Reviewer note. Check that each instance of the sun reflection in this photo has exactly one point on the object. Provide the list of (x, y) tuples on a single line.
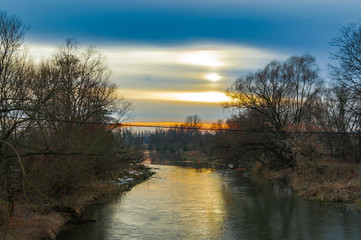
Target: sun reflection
[(214, 77), (202, 58), (179, 203)]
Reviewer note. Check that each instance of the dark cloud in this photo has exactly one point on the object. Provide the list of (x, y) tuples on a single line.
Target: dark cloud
[(280, 24)]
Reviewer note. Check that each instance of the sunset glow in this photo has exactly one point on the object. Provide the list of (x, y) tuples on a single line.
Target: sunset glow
[(214, 77), (202, 58), (210, 97), (200, 97), (205, 125), (170, 51)]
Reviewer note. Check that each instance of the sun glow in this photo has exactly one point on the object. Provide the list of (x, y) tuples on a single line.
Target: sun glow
[(202, 97), (214, 77), (202, 58), (163, 124), (210, 97)]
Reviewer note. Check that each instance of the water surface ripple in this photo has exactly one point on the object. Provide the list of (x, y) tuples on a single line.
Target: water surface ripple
[(188, 203)]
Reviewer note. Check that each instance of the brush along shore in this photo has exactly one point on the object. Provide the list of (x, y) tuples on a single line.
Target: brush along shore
[(329, 181), (28, 223)]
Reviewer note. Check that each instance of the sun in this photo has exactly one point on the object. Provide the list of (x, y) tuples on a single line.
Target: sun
[(214, 77)]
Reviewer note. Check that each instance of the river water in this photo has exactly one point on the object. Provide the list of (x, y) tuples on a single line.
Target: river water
[(189, 203)]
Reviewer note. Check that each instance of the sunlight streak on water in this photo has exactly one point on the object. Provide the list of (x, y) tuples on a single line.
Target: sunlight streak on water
[(192, 205), (188, 203)]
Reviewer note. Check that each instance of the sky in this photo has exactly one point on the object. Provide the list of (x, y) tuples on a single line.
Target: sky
[(174, 58)]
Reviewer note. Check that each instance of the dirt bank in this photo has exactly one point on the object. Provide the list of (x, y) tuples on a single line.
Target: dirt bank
[(28, 224)]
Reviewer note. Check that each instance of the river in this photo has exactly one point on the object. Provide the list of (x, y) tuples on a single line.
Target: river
[(189, 203)]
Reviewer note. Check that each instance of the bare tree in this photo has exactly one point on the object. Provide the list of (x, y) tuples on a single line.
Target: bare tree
[(192, 124), (278, 98), (14, 75), (85, 92), (336, 118), (346, 68), (280, 95)]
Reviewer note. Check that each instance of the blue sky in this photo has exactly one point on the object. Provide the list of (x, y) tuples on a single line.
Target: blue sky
[(163, 53)]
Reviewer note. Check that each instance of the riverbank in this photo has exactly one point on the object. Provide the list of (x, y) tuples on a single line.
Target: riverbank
[(329, 181), (28, 224), (200, 203)]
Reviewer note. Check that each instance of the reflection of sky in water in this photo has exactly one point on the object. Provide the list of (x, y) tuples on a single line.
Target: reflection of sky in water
[(191, 207), (184, 203)]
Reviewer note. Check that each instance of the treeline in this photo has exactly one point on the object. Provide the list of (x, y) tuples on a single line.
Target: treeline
[(58, 119), (184, 137), (285, 115), (169, 144)]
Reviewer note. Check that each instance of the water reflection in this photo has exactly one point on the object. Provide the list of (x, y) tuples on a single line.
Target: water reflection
[(185, 203), (259, 210)]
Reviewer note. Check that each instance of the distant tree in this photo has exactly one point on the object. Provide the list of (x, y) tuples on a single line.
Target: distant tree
[(192, 121), (192, 124), (171, 143)]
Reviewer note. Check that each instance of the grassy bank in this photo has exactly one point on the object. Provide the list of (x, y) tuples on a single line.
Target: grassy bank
[(329, 181), (28, 223)]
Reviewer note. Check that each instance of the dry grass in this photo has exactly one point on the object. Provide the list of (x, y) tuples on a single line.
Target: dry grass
[(36, 226), (29, 225), (329, 181)]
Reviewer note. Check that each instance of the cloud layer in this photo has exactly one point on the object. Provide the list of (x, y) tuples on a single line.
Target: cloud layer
[(163, 53)]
